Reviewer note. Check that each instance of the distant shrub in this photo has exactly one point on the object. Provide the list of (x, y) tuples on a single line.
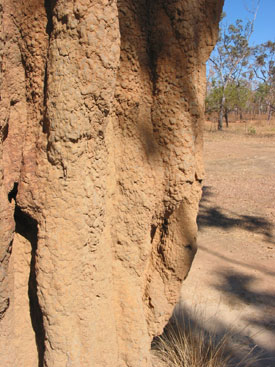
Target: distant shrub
[(251, 130)]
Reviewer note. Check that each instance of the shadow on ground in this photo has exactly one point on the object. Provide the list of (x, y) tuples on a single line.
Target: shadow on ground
[(238, 286), (213, 216)]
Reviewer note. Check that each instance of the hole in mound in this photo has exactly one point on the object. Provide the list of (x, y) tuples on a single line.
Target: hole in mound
[(12, 194)]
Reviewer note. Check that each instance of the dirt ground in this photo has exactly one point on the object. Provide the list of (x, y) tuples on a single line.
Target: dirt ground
[(232, 279)]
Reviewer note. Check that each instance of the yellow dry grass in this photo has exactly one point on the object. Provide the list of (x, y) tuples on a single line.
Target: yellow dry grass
[(186, 344), (260, 128)]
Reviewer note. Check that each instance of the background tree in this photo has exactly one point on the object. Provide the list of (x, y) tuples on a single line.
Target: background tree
[(237, 97), (229, 59), (264, 69)]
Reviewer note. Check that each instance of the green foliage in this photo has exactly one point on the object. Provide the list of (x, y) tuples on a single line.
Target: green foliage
[(213, 100), (237, 97)]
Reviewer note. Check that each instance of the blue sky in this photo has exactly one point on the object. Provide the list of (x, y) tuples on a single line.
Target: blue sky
[(264, 29)]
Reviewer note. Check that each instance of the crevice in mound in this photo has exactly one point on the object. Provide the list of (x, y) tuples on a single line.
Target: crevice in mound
[(3, 307), (45, 87), (165, 225), (49, 5), (153, 231), (5, 132), (26, 226)]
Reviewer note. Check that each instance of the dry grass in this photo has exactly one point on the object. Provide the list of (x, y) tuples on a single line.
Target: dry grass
[(259, 128), (185, 344)]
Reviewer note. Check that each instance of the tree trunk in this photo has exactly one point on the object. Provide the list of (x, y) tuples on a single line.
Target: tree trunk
[(220, 121), (269, 112), (226, 117)]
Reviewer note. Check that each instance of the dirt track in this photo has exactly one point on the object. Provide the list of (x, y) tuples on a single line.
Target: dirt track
[(232, 279)]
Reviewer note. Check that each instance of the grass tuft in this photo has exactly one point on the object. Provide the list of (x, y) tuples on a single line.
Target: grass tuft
[(186, 344), (251, 130)]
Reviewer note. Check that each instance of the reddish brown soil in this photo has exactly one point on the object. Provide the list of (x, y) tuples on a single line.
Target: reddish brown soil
[(232, 279)]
